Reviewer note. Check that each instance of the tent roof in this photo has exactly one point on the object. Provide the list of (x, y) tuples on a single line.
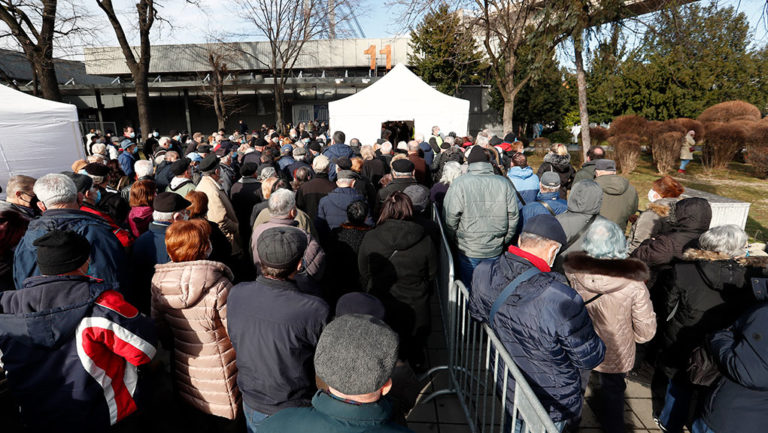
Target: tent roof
[(19, 105)]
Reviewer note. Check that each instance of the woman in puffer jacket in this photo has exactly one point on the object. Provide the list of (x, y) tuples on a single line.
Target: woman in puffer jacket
[(613, 287), (664, 193), (559, 160), (189, 302)]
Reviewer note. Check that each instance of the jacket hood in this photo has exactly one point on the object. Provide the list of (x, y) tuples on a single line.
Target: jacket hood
[(47, 311), (66, 219), (184, 284), (586, 197), (613, 184), (480, 168), (717, 269), (664, 207), (561, 163), (400, 234), (521, 172), (693, 214), (618, 271)]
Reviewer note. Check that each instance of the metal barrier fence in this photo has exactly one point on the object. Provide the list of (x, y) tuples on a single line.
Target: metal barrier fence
[(481, 372)]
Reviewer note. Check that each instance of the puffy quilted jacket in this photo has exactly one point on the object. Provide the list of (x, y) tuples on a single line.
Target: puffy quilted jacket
[(544, 327), (622, 314), (480, 211), (190, 298)]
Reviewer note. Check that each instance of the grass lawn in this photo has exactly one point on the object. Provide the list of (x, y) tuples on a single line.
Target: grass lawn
[(737, 182)]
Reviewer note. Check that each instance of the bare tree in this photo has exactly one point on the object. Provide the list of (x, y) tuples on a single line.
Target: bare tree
[(139, 67), (224, 105), (287, 25), (35, 25)]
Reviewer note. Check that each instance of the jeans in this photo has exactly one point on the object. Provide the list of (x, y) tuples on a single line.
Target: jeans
[(609, 399), (253, 418), (684, 163), (520, 424), (699, 426), (467, 265), (677, 404)]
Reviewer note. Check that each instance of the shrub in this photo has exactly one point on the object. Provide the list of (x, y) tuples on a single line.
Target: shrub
[(690, 124), (666, 150), (757, 135), (629, 124), (560, 136), (730, 110), (722, 143), (757, 148), (598, 135), (626, 151)]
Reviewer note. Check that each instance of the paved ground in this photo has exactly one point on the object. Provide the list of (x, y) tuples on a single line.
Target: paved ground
[(444, 414)]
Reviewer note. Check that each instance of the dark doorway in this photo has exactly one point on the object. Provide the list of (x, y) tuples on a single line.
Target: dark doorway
[(396, 131)]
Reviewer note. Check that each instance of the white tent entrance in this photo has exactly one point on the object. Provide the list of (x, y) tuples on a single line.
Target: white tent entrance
[(37, 136), (399, 95)]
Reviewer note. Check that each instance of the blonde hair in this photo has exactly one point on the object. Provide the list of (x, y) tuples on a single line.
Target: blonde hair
[(560, 149)]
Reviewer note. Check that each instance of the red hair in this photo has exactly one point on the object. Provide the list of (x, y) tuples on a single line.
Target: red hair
[(187, 240)]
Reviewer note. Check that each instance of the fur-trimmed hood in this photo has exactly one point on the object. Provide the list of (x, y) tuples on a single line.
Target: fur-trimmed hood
[(712, 256), (664, 207), (603, 275), (561, 163)]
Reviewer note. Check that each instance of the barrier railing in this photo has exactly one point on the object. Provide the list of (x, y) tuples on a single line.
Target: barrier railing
[(491, 390)]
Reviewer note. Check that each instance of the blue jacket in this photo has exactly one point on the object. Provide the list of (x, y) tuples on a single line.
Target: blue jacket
[(332, 209), (107, 254), (526, 183), (71, 347), (739, 399), (126, 160), (334, 151), (534, 208), (274, 329), (545, 328), (331, 415), (148, 251), (429, 154)]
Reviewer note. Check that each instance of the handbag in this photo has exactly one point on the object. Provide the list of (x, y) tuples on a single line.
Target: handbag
[(702, 368)]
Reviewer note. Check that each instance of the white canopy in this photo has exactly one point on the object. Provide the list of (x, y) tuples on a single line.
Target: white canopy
[(37, 136), (399, 95)]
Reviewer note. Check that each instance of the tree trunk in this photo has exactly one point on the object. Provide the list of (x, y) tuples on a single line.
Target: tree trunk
[(508, 115), (581, 82), (278, 105), (142, 103), (49, 86)]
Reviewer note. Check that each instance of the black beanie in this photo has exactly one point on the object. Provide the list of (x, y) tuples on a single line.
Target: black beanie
[(59, 252), (477, 154)]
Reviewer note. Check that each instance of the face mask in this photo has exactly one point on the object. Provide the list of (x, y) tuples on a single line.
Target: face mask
[(135, 150), (653, 196), (132, 135), (33, 205), (155, 134), (209, 250), (98, 195)]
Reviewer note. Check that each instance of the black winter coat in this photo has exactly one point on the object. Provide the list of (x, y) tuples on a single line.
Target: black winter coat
[(309, 195), (560, 164), (245, 194), (341, 250)]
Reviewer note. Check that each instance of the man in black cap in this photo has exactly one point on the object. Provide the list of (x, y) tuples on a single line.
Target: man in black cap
[(620, 199), (480, 213), (274, 328), (403, 175), (541, 321), (70, 343), (149, 249), (181, 183), (220, 210)]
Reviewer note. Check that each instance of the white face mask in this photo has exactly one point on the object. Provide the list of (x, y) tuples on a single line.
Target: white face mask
[(653, 195)]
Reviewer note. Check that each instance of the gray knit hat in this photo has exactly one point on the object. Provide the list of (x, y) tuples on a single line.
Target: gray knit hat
[(281, 247), (356, 354)]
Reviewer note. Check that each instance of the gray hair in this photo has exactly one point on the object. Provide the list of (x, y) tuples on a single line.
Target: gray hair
[(143, 168), (531, 239), (53, 189), (605, 240), (449, 139), (413, 146), (418, 137), (162, 216), (451, 170), (99, 149), (386, 147), (164, 142), (171, 156), (281, 202), (98, 158), (482, 140), (727, 239), (320, 164)]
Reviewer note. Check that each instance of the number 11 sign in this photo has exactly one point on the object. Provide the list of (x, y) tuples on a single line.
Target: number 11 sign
[(371, 51)]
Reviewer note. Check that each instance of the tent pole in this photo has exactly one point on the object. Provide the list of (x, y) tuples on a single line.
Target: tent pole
[(99, 112)]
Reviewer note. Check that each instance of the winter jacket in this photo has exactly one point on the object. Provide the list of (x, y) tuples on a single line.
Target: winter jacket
[(107, 254), (123, 235), (534, 208), (587, 172), (480, 212), (148, 251), (310, 193), (622, 314), (429, 154), (126, 160), (314, 256), (220, 211), (190, 298), (619, 199), (397, 263), (181, 186), (163, 176), (274, 329), (526, 183), (374, 169), (139, 219), (71, 347), (342, 248), (692, 218), (421, 169), (737, 401), (302, 221), (437, 194), (244, 195), (397, 184), (332, 210), (544, 327), (560, 164), (686, 151), (337, 150), (656, 219), (584, 202), (332, 415)]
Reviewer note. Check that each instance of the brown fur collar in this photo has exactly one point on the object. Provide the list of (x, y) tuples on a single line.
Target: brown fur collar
[(710, 256), (661, 210), (632, 269)]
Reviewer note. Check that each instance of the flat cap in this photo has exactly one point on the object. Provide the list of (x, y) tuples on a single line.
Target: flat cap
[(210, 162), (342, 163), (605, 165), (60, 251), (180, 166), (403, 166), (315, 146), (126, 143), (248, 169), (299, 151), (360, 303), (547, 227), (477, 154), (286, 148), (281, 247), (82, 182), (550, 179), (170, 202), (204, 148), (419, 195), (356, 354), (97, 169)]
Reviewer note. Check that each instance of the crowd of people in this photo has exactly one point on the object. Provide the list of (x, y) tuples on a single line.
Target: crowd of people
[(281, 282)]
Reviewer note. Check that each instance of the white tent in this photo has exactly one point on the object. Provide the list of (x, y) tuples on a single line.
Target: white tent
[(37, 136), (399, 95)]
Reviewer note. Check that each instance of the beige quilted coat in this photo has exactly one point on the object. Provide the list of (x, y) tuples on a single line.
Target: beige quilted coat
[(623, 315), (190, 300)]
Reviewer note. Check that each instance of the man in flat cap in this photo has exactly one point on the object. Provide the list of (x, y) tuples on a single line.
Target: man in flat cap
[(355, 357), (274, 328), (548, 199), (71, 345), (619, 196), (541, 321), (403, 175), (149, 249), (480, 213), (181, 183), (220, 210)]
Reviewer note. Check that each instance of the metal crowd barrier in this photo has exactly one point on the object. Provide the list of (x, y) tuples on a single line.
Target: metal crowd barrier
[(480, 370)]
